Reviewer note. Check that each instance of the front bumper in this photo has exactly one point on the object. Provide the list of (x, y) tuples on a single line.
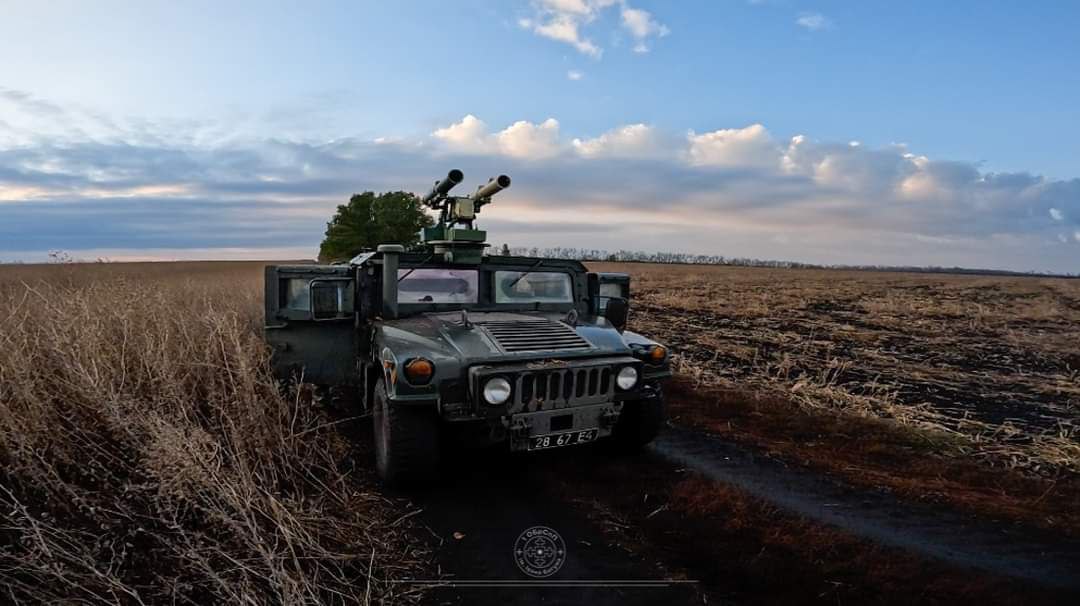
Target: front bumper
[(525, 426), (547, 397)]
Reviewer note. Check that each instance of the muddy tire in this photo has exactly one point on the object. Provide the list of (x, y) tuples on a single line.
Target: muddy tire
[(406, 440), (341, 399), (639, 423)]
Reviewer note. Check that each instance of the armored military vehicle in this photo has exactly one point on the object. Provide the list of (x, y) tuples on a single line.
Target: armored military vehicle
[(447, 343)]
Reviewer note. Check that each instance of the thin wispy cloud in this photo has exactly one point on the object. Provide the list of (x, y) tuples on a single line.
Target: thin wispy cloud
[(574, 75), (566, 21), (813, 21), (642, 26)]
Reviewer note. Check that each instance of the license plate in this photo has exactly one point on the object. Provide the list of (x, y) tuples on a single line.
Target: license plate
[(555, 440)]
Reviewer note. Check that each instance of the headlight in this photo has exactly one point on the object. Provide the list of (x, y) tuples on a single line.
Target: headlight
[(627, 378), (496, 391)]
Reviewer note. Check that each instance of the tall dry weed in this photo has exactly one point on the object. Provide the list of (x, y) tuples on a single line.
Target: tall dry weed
[(148, 456)]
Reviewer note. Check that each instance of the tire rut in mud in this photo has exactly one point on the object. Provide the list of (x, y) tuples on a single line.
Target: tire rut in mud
[(488, 498)]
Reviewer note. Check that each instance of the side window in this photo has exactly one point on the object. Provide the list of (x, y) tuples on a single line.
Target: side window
[(331, 299), (295, 294)]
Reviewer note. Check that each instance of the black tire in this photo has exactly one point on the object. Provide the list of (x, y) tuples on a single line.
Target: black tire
[(406, 440), (342, 399), (639, 423)]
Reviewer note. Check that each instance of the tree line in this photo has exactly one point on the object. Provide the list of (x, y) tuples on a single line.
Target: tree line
[(370, 219), (682, 258)]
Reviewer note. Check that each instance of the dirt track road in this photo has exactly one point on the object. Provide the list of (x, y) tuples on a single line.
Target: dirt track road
[(489, 503), (929, 531), (488, 498)]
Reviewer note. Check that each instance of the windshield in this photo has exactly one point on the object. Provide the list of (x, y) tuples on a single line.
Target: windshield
[(437, 285), (533, 287)]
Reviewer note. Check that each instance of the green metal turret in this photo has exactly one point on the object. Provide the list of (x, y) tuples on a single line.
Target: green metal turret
[(454, 237)]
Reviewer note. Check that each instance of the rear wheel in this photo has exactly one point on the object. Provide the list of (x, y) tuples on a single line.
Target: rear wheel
[(406, 439), (639, 422)]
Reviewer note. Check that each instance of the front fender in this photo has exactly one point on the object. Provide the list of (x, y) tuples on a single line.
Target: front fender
[(638, 344), (396, 347)]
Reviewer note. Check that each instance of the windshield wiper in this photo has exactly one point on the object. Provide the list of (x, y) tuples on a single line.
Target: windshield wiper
[(524, 273), (418, 266)]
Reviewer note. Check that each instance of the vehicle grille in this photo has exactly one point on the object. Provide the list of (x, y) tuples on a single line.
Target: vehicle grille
[(534, 335), (567, 386)]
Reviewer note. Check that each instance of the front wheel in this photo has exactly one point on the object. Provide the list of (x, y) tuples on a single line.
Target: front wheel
[(639, 422), (406, 440)]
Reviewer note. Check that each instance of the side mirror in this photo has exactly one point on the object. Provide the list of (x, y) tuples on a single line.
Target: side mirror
[(331, 299), (605, 286), (617, 312)]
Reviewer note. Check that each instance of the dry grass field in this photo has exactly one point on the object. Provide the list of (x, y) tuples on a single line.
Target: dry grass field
[(992, 360), (147, 455), (982, 372)]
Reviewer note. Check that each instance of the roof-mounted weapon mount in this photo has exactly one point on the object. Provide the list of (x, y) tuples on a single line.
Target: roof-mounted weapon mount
[(454, 236)]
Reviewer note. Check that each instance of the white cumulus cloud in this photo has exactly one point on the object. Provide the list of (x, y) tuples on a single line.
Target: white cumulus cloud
[(630, 141), (750, 146), (857, 168), (82, 190), (522, 139), (470, 135)]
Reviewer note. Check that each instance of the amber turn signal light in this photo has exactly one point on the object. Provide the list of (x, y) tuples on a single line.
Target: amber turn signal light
[(419, 371), (657, 354)]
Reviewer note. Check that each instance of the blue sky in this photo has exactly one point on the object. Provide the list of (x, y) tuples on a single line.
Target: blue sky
[(917, 132)]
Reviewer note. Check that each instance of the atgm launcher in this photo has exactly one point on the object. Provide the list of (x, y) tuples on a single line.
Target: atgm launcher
[(454, 237)]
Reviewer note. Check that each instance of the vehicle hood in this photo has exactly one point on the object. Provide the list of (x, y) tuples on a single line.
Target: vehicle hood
[(467, 339)]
